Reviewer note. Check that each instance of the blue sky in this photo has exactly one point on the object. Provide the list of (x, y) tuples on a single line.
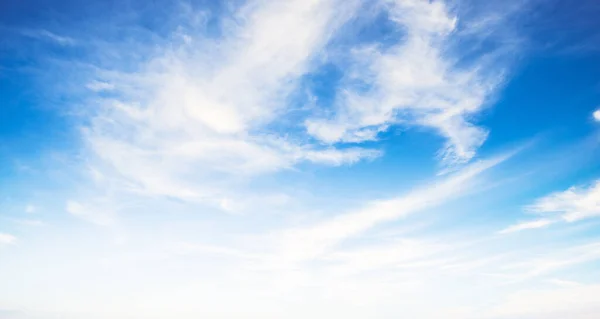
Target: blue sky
[(322, 158)]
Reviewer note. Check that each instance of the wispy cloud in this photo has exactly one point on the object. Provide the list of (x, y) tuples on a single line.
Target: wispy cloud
[(571, 205), (311, 242), (99, 86), (539, 223), (50, 36), (415, 82), (199, 114), (576, 203)]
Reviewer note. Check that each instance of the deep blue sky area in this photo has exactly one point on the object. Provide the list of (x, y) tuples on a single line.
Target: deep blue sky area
[(552, 92)]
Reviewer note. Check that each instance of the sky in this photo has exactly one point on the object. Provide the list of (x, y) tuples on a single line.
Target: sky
[(299, 159)]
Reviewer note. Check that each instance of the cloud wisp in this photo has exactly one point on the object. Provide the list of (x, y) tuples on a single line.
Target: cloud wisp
[(46, 35), (539, 223), (572, 205), (415, 82)]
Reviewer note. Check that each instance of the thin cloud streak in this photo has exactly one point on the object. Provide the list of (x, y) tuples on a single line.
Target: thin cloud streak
[(540, 223), (50, 36), (311, 242)]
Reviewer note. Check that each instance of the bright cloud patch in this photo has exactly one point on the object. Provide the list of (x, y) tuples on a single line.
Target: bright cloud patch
[(574, 204), (596, 115)]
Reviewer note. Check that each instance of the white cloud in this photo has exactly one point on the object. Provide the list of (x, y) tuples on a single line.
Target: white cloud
[(596, 115), (47, 35), (7, 239), (574, 204), (415, 82), (198, 114), (539, 223), (322, 241), (99, 86)]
